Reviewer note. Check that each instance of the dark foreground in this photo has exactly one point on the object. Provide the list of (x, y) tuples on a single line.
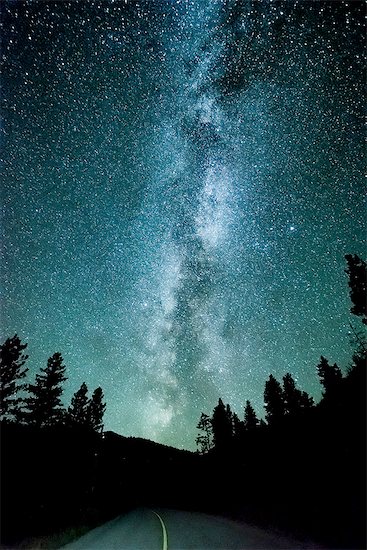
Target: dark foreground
[(72, 482)]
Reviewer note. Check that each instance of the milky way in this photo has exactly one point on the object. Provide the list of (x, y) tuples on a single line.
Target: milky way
[(182, 182)]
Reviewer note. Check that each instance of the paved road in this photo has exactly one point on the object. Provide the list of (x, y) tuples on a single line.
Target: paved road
[(175, 530)]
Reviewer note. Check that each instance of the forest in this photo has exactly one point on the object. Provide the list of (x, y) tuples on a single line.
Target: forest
[(301, 469)]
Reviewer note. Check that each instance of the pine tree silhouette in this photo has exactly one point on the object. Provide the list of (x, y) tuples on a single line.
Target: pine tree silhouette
[(44, 405), (330, 377), (222, 426), (250, 420), (12, 361), (204, 440), (78, 410), (357, 272), (96, 410), (294, 399), (273, 401), (238, 427)]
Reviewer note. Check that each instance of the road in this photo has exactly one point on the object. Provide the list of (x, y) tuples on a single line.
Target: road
[(175, 530)]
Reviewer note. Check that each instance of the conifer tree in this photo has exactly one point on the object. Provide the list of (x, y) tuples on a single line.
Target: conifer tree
[(238, 426), (44, 405), (250, 421), (357, 272), (12, 360), (222, 426), (273, 401), (204, 440), (96, 410), (307, 402), (330, 377), (78, 410), (291, 395), (295, 400)]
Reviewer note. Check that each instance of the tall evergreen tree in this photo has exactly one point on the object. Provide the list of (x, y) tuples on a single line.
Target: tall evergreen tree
[(307, 401), (204, 440), (330, 377), (96, 410), (357, 272), (273, 401), (250, 421), (294, 399), (78, 410), (237, 425), (12, 360), (222, 426), (44, 405), (291, 395)]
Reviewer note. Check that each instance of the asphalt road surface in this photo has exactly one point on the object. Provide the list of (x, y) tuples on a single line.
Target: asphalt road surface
[(175, 530)]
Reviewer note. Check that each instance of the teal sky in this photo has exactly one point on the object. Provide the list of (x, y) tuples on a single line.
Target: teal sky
[(182, 181)]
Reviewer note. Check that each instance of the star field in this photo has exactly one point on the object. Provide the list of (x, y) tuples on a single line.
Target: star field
[(182, 180)]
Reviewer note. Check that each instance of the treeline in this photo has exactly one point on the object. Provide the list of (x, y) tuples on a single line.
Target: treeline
[(302, 468), (39, 404), (283, 402), (50, 453)]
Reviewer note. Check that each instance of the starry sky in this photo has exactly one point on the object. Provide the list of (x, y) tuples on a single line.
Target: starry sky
[(181, 182)]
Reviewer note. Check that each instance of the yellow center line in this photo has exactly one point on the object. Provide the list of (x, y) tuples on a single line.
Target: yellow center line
[(165, 538)]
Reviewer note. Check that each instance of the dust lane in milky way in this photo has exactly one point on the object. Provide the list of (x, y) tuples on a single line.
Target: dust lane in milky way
[(182, 182)]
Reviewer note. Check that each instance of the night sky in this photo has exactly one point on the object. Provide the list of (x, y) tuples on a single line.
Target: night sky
[(181, 182)]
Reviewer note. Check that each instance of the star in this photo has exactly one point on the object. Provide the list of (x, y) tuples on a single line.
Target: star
[(155, 156)]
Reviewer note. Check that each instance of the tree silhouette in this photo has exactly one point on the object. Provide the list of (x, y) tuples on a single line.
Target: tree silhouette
[(330, 377), (307, 402), (44, 404), (357, 272), (78, 410), (204, 440), (12, 362), (250, 421), (237, 426), (222, 426), (96, 410), (273, 401), (294, 399)]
